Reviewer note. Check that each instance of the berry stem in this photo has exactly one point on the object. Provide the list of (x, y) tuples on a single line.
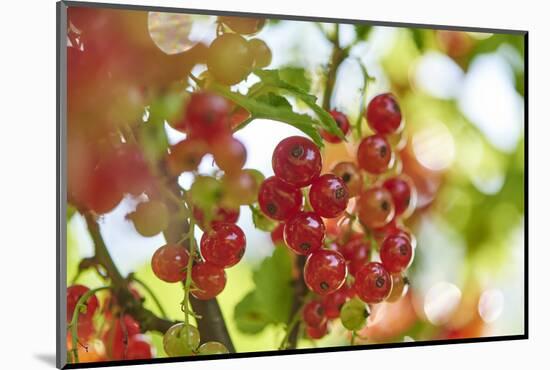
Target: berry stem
[(367, 79), (338, 56), (152, 294), (73, 325), (187, 285), (290, 328), (147, 319)]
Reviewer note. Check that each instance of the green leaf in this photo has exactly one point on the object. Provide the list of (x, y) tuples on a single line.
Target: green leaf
[(282, 113), (296, 76), (260, 221), (248, 317), (274, 291), (275, 100), (272, 78)]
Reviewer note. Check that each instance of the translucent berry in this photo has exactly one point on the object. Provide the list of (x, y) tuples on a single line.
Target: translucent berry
[(279, 200), (304, 232), (333, 302), (207, 116), (150, 218), (349, 172), (374, 154), (354, 314), (373, 283), (343, 124), (403, 193), (212, 348), (138, 348), (206, 192), (400, 286), (314, 314), (229, 154), (209, 280), (224, 245), (181, 340), (186, 156), (229, 60), (242, 25), (396, 253), (240, 188), (329, 196), (325, 271), (297, 161), (375, 207), (383, 114), (261, 53), (277, 235), (116, 338), (356, 252), (170, 262), (205, 220), (74, 292), (317, 332)]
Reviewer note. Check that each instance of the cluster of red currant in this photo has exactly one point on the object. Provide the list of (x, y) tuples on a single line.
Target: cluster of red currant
[(120, 333), (340, 267)]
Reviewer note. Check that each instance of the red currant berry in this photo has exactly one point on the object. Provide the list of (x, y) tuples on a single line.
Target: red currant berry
[(349, 172), (373, 283), (314, 314), (325, 271), (116, 338), (297, 161), (229, 154), (374, 154), (131, 169), (220, 215), (396, 253), (329, 196), (102, 193), (343, 124), (240, 188), (279, 200), (304, 233), (375, 207), (186, 156), (403, 193), (207, 116), (74, 292), (317, 332), (277, 235), (400, 286), (333, 302), (224, 245), (383, 114), (357, 252), (170, 262), (209, 280), (138, 348)]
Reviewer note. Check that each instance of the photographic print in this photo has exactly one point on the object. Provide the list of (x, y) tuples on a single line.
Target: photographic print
[(241, 184)]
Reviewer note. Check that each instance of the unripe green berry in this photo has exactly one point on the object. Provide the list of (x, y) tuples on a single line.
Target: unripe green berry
[(354, 314), (181, 340), (212, 348)]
